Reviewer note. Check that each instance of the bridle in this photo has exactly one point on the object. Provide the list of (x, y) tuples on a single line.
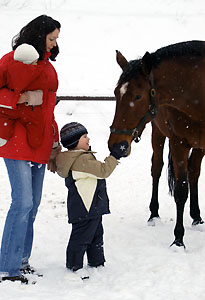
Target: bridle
[(152, 111)]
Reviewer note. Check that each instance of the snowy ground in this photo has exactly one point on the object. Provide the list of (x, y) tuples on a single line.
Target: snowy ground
[(140, 265)]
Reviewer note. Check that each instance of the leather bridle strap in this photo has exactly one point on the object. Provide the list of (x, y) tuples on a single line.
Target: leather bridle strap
[(151, 111)]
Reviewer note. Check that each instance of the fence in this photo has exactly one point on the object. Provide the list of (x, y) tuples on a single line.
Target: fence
[(85, 98)]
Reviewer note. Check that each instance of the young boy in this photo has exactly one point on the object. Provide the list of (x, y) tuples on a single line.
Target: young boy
[(23, 75), (87, 196)]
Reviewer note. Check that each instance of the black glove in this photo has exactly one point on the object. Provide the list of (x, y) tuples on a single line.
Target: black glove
[(119, 150)]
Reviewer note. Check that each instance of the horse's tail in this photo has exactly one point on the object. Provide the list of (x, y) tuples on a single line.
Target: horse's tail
[(171, 175)]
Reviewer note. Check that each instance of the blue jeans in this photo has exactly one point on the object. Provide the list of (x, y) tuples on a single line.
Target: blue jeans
[(26, 180)]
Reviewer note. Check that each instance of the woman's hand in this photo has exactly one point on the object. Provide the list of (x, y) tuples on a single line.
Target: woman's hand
[(32, 98), (52, 160), (35, 97), (23, 98)]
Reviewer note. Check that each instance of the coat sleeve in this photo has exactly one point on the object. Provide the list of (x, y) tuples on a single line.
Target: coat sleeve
[(3, 72), (63, 165), (2, 77), (87, 163), (55, 134), (8, 98)]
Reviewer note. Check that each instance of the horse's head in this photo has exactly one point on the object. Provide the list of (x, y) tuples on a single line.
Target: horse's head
[(134, 100)]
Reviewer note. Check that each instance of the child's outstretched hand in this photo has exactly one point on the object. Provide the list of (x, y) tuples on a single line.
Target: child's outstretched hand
[(119, 150)]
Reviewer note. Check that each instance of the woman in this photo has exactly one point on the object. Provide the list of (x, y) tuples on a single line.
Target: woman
[(25, 165)]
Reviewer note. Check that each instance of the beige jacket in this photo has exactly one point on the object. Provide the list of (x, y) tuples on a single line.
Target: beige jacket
[(84, 161), (85, 171)]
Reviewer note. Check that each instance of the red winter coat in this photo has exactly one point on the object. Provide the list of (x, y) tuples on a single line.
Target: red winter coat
[(17, 147)]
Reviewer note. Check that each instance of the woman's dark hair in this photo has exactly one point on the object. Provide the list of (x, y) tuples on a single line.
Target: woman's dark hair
[(35, 32)]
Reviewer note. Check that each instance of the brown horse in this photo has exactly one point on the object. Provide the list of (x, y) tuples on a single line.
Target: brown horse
[(166, 87), (194, 168)]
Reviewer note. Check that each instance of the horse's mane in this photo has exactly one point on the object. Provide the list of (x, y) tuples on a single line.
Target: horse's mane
[(131, 70), (192, 48)]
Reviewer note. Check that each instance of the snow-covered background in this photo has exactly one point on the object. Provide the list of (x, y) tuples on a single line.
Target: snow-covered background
[(140, 265)]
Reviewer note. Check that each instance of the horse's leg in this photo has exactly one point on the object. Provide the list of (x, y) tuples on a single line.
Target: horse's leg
[(158, 141), (194, 169), (179, 154)]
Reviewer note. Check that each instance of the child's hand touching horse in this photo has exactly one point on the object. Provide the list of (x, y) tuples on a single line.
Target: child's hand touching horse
[(119, 150)]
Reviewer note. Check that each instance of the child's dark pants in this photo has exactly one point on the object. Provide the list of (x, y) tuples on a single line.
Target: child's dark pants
[(86, 236)]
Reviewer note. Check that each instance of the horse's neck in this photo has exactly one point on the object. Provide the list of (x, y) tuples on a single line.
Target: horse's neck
[(181, 85)]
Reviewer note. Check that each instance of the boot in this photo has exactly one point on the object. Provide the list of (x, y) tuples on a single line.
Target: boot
[(21, 278)]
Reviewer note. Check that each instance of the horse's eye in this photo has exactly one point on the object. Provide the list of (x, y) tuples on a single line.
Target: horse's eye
[(137, 97)]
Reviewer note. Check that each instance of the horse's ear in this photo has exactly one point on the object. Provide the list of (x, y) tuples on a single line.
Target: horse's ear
[(147, 63), (121, 60)]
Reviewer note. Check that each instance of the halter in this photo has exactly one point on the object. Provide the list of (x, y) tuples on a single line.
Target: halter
[(152, 110)]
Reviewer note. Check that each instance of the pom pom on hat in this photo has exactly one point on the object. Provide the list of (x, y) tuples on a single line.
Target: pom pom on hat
[(26, 54), (71, 133)]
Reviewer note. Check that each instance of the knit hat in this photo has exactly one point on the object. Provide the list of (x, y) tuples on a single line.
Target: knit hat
[(71, 133), (26, 54)]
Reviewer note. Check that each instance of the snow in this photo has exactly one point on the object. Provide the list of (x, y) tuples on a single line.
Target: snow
[(140, 264)]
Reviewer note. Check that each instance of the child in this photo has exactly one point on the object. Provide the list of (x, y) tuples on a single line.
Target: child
[(22, 75), (87, 196)]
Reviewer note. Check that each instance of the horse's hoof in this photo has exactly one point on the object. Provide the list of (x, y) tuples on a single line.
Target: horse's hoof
[(178, 243), (176, 249), (154, 221), (197, 222), (198, 225)]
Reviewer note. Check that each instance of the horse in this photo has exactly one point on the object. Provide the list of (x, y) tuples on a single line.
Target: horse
[(166, 87), (194, 169)]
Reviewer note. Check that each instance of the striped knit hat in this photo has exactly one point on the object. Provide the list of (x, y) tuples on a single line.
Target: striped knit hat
[(71, 133)]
